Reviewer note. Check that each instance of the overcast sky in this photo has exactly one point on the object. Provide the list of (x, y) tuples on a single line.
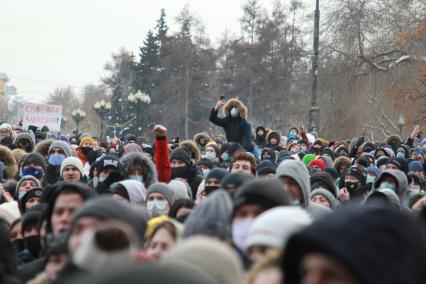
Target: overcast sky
[(51, 43)]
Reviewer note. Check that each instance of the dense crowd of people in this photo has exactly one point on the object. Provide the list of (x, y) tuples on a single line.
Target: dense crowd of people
[(260, 206)]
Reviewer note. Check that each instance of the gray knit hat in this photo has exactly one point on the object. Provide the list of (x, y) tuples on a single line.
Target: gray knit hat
[(61, 145), (212, 217), (24, 178), (163, 189), (72, 161), (327, 194)]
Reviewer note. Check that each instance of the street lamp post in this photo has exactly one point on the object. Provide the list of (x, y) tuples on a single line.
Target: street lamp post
[(401, 123), (314, 111), (102, 108), (78, 115), (138, 100)]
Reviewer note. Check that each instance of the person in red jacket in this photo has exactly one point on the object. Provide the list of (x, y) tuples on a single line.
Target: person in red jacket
[(162, 161)]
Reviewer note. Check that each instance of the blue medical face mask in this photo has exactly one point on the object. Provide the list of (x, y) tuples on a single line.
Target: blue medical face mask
[(400, 155), (56, 159), (225, 157), (370, 179), (32, 171), (387, 185), (138, 178)]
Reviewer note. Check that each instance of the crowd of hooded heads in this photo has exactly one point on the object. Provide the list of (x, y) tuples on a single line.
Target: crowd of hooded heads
[(287, 207)]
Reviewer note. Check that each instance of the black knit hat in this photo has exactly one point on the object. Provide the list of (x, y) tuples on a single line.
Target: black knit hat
[(35, 158), (268, 193), (181, 154), (265, 167), (235, 180), (217, 173), (35, 192)]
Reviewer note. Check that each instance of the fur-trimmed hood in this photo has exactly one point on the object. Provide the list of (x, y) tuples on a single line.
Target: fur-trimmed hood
[(26, 135), (342, 161), (43, 146), (200, 135), (274, 134), (10, 165), (235, 103), (193, 148), (138, 159)]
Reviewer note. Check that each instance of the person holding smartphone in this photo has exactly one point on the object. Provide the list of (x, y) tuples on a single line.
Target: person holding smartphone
[(237, 128)]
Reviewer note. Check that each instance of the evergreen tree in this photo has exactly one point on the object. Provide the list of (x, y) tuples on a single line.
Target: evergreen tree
[(148, 65)]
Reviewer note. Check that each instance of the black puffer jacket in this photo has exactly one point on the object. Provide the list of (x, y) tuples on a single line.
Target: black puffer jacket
[(237, 129)]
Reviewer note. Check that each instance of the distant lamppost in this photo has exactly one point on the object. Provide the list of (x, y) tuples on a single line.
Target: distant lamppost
[(78, 115), (138, 100), (102, 108), (401, 123)]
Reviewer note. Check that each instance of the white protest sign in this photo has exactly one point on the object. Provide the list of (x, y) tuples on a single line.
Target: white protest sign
[(42, 115)]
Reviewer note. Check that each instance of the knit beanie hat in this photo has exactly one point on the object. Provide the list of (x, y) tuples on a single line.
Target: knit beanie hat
[(382, 161), (358, 173), (265, 167), (267, 193), (163, 189), (180, 189), (217, 173), (35, 158), (235, 180), (211, 217), (7, 127), (308, 158), (415, 166), (327, 194), (35, 192), (317, 162), (273, 227), (181, 154), (72, 161), (373, 171), (284, 155), (61, 145), (215, 258), (25, 178), (85, 140)]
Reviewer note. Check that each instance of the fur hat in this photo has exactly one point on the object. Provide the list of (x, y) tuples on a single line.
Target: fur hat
[(193, 149), (200, 135), (135, 160), (6, 157), (235, 103), (43, 147)]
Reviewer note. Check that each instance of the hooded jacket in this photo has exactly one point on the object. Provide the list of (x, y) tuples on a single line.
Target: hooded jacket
[(10, 166), (299, 173), (135, 190), (277, 137), (211, 217), (139, 160), (326, 180), (25, 135), (260, 140), (402, 184), (237, 129), (375, 244), (197, 138)]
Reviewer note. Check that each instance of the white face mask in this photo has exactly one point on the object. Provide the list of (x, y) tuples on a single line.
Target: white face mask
[(240, 229), (205, 173), (156, 207), (234, 112)]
